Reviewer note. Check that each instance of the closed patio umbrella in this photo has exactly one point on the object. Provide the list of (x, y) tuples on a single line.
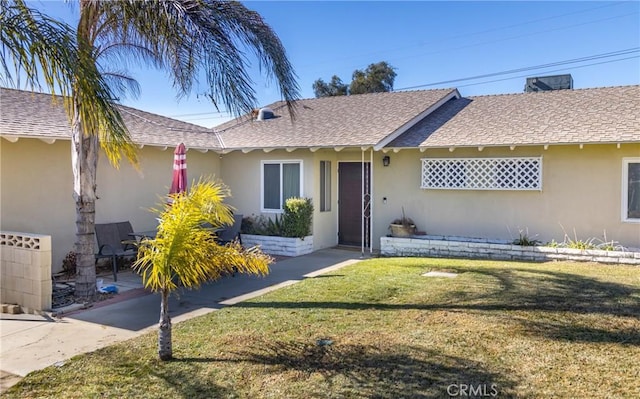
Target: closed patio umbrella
[(179, 182)]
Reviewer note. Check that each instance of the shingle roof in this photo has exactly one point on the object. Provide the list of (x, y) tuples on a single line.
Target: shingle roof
[(30, 114), (597, 115), (356, 120)]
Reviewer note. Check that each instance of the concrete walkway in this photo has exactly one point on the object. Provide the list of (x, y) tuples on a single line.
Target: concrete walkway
[(33, 342)]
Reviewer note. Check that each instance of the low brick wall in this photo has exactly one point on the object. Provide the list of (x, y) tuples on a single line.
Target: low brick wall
[(25, 270), (460, 247), (283, 246)]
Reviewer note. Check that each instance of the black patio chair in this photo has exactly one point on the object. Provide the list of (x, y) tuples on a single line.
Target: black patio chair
[(231, 233), (110, 244), (125, 230)]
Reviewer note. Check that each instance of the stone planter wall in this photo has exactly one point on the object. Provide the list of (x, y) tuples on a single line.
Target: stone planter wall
[(283, 246), (461, 247), (25, 269)]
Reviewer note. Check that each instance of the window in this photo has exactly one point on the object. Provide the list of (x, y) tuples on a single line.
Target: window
[(631, 189), (280, 180), (514, 173), (325, 186)]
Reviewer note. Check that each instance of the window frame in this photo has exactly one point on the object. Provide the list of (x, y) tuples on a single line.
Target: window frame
[(325, 186), (280, 163), (625, 189)]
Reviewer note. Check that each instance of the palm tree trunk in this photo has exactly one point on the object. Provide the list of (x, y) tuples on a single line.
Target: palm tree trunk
[(165, 350), (84, 156)]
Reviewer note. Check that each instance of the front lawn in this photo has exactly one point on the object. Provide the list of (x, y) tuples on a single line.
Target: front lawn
[(378, 329)]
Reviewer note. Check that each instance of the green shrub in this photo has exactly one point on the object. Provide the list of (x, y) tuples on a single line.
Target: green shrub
[(294, 222), (297, 217), (261, 225), (525, 240)]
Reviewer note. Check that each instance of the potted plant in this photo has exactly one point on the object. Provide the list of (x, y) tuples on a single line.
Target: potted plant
[(402, 227)]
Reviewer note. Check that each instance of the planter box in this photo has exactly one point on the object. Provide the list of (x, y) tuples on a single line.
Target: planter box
[(401, 230), (462, 247), (284, 246)]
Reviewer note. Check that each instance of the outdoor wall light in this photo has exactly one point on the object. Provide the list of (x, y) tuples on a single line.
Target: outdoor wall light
[(386, 160)]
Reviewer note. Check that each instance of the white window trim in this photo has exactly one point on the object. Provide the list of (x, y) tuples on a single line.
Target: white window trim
[(625, 189), (472, 178), (281, 162)]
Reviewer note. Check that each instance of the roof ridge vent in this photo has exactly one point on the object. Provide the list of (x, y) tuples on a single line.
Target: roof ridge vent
[(265, 113)]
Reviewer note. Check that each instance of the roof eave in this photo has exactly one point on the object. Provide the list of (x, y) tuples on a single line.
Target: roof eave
[(513, 146)]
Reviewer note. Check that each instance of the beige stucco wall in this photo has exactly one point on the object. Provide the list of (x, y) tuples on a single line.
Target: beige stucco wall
[(36, 189), (582, 190), (241, 172)]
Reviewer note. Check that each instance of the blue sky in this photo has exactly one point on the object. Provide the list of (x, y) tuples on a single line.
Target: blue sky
[(427, 42)]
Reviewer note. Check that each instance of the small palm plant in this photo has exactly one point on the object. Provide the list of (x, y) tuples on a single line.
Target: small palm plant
[(185, 253)]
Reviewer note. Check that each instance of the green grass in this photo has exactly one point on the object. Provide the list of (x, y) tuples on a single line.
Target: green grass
[(529, 330)]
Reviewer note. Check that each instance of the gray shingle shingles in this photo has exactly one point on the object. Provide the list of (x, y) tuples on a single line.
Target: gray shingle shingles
[(24, 114), (356, 120), (598, 115)]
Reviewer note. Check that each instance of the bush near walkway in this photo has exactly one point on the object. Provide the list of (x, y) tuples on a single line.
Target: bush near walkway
[(378, 329)]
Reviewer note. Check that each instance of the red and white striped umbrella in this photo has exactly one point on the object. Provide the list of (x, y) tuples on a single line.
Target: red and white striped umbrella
[(179, 183)]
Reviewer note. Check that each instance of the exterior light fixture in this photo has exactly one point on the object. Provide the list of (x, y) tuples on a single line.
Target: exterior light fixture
[(386, 160)]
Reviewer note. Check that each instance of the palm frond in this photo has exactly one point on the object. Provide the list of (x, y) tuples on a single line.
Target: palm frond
[(46, 52), (253, 30), (186, 252), (194, 38), (120, 82), (38, 47)]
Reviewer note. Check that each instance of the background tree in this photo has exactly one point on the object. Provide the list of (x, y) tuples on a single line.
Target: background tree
[(333, 88), (377, 78), (183, 252), (188, 40)]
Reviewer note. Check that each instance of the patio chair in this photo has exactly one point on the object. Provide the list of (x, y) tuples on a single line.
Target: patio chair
[(110, 245), (125, 230), (231, 233)]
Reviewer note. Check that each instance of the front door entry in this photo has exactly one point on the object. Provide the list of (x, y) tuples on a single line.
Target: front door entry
[(351, 203)]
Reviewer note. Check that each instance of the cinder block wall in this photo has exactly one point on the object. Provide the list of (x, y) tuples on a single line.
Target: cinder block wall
[(25, 270)]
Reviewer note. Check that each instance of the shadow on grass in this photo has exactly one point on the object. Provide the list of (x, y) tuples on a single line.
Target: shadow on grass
[(185, 383), (556, 291), (574, 333), (374, 371), (528, 290)]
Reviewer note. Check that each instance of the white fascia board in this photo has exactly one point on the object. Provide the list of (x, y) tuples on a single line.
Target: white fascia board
[(454, 94), (47, 139)]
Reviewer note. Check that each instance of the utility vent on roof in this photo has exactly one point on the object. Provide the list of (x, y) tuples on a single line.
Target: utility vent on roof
[(264, 114), (546, 83)]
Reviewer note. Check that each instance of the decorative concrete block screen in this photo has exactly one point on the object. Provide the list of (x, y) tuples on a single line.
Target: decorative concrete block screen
[(25, 270), (514, 173)]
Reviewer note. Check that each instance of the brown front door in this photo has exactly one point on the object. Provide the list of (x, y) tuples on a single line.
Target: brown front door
[(351, 202)]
